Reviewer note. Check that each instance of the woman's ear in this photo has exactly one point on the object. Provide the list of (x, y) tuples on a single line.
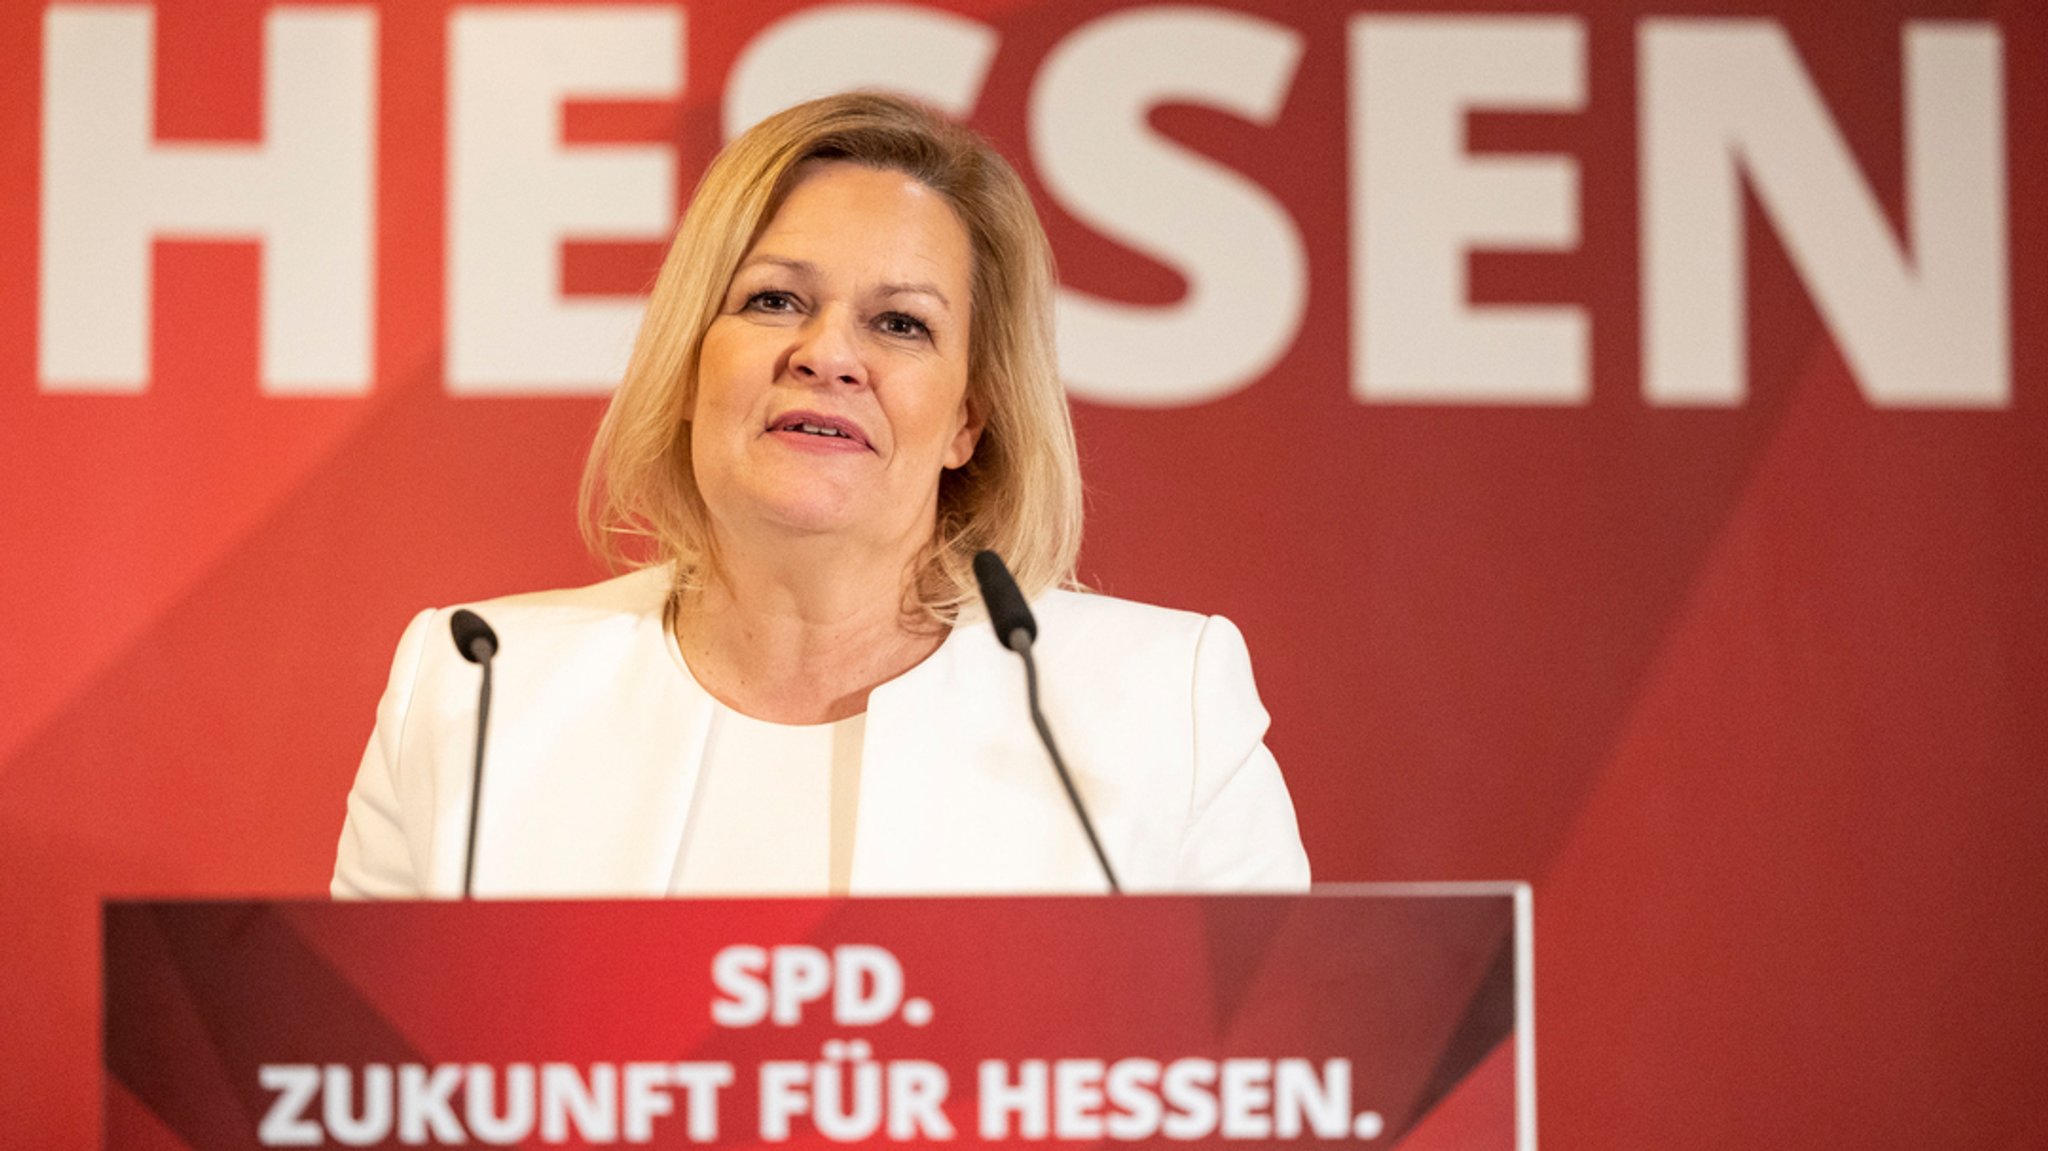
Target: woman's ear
[(971, 422)]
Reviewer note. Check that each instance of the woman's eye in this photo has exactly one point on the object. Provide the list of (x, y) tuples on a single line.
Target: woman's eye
[(770, 301), (899, 324)]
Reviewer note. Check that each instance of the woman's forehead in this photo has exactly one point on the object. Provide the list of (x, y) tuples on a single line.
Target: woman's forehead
[(837, 210)]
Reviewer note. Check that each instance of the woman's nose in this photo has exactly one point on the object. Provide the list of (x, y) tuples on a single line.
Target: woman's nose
[(828, 349)]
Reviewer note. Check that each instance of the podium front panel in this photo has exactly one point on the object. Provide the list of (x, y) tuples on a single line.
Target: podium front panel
[(1370, 1016)]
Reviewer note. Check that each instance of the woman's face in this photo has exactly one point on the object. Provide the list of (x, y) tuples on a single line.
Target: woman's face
[(832, 387)]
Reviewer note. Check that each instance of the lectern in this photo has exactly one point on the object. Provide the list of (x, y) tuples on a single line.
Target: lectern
[(1359, 1016)]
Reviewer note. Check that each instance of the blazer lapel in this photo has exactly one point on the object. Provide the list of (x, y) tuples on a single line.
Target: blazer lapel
[(618, 700), (956, 794)]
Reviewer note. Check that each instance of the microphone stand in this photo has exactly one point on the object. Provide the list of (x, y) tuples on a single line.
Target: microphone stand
[(1019, 641)]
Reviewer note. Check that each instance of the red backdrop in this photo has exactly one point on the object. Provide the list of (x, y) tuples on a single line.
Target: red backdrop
[(1738, 657)]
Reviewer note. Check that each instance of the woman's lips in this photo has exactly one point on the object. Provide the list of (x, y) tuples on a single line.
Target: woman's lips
[(818, 430)]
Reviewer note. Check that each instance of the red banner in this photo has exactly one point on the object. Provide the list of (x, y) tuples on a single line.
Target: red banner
[(1369, 1018)]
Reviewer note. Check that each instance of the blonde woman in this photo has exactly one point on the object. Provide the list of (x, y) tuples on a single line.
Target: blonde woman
[(844, 388)]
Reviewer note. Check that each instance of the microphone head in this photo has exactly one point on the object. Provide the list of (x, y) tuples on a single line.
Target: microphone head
[(473, 637), (1006, 607)]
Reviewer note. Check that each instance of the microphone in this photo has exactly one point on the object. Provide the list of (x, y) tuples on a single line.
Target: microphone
[(1006, 607), (1017, 630), (478, 644), (473, 637)]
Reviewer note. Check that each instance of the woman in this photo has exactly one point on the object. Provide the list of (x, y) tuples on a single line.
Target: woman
[(845, 387)]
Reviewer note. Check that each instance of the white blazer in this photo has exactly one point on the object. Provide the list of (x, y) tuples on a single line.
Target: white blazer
[(597, 731)]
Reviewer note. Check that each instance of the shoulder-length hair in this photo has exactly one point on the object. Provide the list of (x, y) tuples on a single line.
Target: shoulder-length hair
[(1020, 493)]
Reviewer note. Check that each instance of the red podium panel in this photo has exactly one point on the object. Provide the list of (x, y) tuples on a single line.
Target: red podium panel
[(1371, 1016)]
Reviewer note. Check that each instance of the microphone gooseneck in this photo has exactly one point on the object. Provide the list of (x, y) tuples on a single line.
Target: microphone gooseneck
[(478, 644), (1017, 630)]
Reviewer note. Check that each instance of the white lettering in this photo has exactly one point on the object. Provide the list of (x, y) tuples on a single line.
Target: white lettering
[(939, 57), (867, 984), (1323, 1100), (917, 1101), (427, 1113), (595, 1105), (516, 1123), (1247, 1097), (373, 1123), (646, 1098), (515, 192), (701, 1083), (850, 1096), (423, 1103), (796, 975), (736, 971), (285, 1124), (1191, 1102), (1002, 1101), (1723, 100), (1077, 1099), (1238, 249), (1187, 1099), (1420, 204), (846, 1092), (304, 193), (784, 1094), (1132, 1088)]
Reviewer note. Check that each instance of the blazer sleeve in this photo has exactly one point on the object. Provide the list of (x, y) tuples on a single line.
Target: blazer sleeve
[(1241, 832), (374, 860)]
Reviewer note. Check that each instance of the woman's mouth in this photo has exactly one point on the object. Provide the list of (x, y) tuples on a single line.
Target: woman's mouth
[(816, 426)]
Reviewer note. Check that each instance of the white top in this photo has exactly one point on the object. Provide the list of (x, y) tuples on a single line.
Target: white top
[(774, 810), (598, 735)]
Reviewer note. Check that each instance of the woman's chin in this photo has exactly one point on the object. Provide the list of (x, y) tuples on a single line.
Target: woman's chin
[(779, 507), (809, 517)]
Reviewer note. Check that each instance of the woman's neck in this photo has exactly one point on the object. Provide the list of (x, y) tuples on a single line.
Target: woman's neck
[(794, 638)]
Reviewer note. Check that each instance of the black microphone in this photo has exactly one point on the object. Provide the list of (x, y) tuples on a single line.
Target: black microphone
[(1017, 631), (473, 637), (477, 643), (1006, 607)]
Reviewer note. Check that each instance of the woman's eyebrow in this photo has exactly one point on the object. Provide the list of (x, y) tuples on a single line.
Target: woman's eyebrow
[(919, 288), (801, 267), (806, 268)]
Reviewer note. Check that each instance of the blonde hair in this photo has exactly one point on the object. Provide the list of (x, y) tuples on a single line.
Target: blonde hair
[(1020, 493)]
